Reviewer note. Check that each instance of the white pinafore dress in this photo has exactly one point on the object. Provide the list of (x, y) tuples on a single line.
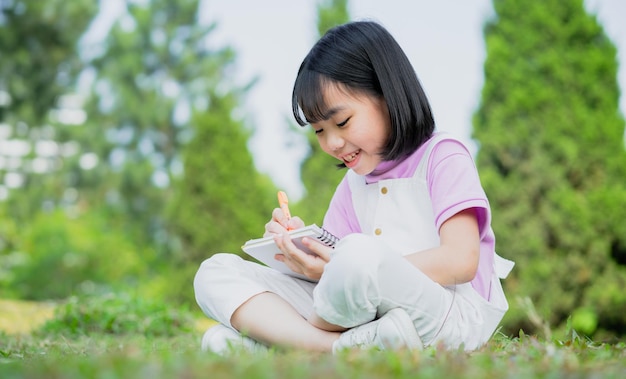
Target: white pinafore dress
[(453, 315)]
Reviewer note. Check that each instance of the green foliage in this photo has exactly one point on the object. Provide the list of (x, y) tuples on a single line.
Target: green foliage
[(40, 63), (39, 54), (117, 314), (331, 13), (553, 163), (155, 80), (127, 356), (156, 68), (319, 171), (9, 254), (222, 200), (61, 254), (171, 281)]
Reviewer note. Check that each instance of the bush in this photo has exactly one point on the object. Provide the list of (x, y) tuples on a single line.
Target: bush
[(62, 256), (118, 314)]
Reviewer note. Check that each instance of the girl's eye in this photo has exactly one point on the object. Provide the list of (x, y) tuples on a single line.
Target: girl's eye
[(343, 123), (318, 131)]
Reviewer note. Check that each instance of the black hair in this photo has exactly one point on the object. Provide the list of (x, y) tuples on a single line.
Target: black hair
[(365, 58)]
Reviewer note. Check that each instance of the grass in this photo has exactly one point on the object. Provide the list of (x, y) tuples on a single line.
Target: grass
[(101, 355)]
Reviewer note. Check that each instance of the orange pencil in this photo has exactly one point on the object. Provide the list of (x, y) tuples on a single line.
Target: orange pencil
[(283, 202)]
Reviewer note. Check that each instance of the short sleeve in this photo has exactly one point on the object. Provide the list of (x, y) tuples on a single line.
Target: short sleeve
[(340, 218), (454, 184)]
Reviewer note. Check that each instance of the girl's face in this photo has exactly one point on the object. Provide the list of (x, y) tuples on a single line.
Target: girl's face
[(354, 130)]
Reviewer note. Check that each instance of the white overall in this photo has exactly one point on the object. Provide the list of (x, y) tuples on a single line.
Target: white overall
[(455, 315), (367, 274)]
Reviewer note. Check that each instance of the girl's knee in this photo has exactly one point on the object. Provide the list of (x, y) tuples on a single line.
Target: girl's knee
[(220, 259), (348, 292), (213, 267)]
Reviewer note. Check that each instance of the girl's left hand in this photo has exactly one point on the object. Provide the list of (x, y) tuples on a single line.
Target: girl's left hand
[(309, 265)]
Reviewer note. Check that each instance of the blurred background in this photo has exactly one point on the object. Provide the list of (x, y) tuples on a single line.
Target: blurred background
[(138, 138)]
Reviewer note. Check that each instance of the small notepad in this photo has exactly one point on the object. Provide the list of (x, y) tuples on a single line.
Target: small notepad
[(264, 249)]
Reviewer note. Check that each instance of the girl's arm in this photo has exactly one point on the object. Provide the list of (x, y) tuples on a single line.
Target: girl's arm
[(455, 260)]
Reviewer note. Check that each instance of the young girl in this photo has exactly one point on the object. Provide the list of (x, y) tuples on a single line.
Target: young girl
[(416, 264)]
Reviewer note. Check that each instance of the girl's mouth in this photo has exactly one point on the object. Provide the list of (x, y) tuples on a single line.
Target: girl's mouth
[(351, 157)]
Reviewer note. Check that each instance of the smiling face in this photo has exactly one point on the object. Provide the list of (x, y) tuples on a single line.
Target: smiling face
[(355, 128)]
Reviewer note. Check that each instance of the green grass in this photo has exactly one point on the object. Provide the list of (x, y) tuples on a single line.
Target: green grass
[(137, 356), (125, 336)]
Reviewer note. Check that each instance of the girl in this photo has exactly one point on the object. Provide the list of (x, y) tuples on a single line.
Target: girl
[(416, 264)]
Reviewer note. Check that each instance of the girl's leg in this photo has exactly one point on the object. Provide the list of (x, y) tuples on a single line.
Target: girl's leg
[(260, 302), (271, 320), (364, 280), (224, 282), (268, 318)]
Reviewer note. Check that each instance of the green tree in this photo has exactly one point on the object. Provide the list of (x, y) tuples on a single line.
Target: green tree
[(38, 73), (40, 64), (221, 200), (319, 172), (331, 13), (553, 163), (40, 60), (153, 71), (153, 77)]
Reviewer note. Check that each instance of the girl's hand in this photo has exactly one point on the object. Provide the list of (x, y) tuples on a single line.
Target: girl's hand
[(280, 224), (309, 265)]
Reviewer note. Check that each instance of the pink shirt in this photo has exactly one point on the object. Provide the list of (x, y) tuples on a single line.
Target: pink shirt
[(454, 186)]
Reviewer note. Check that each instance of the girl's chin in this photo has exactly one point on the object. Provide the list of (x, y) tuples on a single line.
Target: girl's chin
[(362, 169), (362, 164)]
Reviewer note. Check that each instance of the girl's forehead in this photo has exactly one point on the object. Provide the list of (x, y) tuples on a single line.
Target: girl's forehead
[(319, 104), (334, 92), (327, 97)]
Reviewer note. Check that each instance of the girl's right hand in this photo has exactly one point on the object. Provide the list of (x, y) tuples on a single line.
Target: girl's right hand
[(279, 223)]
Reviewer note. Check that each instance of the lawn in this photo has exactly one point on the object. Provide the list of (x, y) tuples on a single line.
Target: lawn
[(136, 355)]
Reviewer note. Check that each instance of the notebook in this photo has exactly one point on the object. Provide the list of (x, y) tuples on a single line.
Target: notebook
[(264, 249)]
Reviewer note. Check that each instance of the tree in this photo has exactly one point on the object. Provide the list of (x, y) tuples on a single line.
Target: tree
[(40, 64), (319, 171), (51, 247), (156, 83), (553, 163), (40, 60), (155, 69), (221, 201), (331, 13)]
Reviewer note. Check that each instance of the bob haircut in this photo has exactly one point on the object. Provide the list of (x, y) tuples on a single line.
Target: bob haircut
[(365, 59)]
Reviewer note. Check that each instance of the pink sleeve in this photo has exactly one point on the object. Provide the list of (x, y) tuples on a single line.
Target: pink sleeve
[(454, 184), (340, 218)]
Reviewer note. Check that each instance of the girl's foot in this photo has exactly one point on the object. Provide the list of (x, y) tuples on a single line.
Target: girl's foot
[(221, 339), (394, 330)]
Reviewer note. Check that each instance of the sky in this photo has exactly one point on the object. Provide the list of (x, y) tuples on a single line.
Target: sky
[(443, 40)]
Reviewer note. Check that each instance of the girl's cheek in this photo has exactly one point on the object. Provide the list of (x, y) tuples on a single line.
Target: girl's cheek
[(323, 144)]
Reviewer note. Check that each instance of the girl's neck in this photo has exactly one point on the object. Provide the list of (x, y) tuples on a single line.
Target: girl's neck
[(384, 167), (398, 168)]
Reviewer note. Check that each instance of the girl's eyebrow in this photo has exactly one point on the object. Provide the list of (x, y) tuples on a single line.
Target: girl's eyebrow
[(331, 112)]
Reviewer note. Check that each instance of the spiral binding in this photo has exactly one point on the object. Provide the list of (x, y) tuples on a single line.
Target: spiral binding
[(327, 238)]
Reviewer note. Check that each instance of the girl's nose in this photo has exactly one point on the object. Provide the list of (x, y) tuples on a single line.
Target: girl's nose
[(335, 141)]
